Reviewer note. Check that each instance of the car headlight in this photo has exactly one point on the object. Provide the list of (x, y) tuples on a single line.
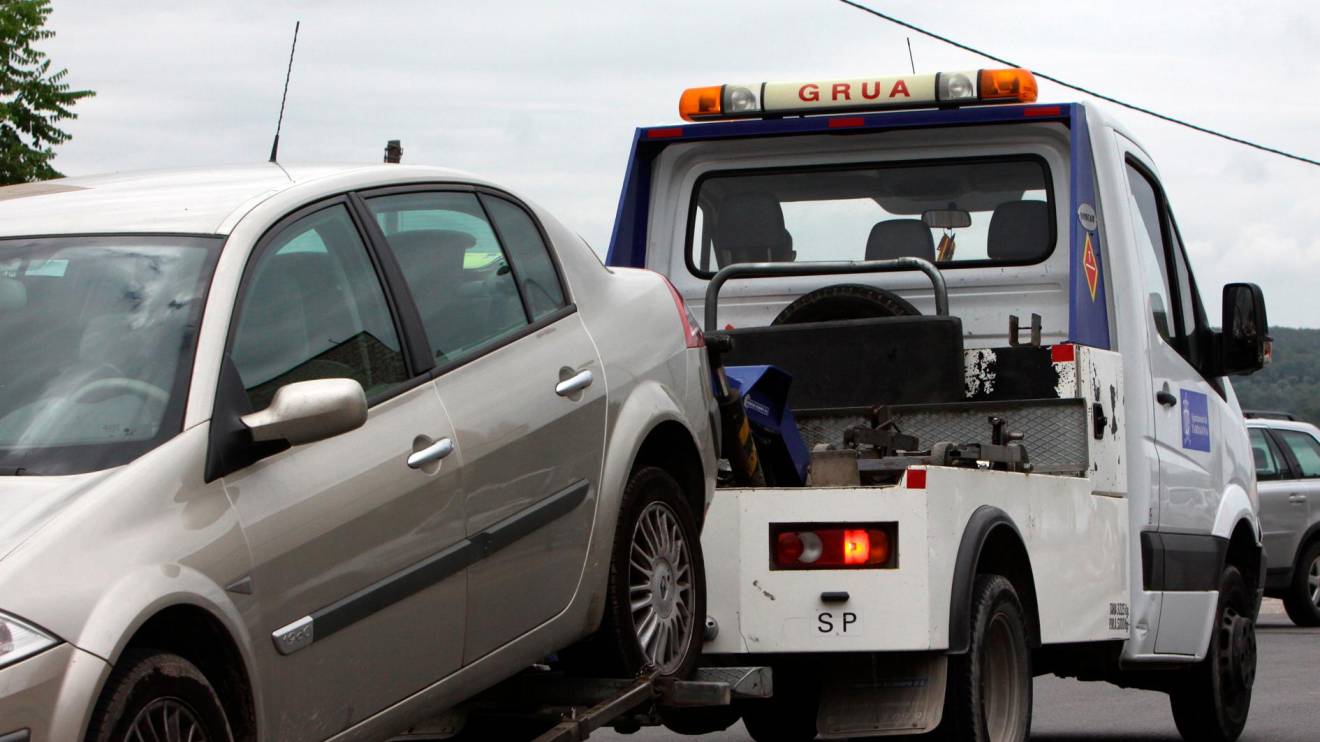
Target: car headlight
[(20, 640)]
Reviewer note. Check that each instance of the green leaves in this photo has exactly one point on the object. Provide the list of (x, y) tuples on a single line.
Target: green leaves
[(33, 98)]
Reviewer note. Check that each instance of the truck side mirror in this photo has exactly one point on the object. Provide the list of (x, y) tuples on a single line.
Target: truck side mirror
[(1244, 344)]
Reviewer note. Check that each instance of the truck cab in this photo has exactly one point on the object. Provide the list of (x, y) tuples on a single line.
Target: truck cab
[(988, 351)]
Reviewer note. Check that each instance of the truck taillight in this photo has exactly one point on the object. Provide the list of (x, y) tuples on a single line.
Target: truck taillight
[(692, 335), (834, 546)]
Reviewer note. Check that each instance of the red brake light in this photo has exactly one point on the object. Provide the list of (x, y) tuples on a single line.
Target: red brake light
[(849, 546), (692, 335)]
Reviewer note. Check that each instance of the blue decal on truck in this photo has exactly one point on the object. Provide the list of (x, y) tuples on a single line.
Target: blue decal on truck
[(1195, 421)]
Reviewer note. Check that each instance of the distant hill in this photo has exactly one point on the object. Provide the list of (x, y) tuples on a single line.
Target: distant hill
[(1291, 383)]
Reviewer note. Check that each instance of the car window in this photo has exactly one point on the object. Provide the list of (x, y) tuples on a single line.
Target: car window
[(531, 259), (1268, 465), (456, 270), (314, 309), (1304, 449)]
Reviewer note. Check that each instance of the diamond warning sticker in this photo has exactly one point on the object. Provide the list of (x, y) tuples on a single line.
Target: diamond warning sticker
[(1089, 265)]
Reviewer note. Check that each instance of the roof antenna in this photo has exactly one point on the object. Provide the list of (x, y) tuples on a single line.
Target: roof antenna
[(911, 60), (275, 146)]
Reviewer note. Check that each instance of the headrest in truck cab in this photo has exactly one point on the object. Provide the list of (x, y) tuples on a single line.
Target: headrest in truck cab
[(1019, 231), (751, 230), (900, 238)]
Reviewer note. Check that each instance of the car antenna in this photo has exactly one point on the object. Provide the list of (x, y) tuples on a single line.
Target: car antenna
[(275, 146)]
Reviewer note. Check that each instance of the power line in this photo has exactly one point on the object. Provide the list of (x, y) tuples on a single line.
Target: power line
[(1081, 89)]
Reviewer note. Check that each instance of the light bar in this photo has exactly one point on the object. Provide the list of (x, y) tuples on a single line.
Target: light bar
[(857, 94)]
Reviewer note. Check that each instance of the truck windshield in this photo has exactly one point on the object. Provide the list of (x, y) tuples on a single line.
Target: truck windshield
[(98, 336), (964, 213)]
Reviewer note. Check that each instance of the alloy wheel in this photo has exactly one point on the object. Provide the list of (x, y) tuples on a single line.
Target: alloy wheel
[(660, 587), (1313, 582), (166, 720)]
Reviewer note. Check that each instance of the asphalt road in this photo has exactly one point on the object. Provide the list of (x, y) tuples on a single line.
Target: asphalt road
[(1285, 706)]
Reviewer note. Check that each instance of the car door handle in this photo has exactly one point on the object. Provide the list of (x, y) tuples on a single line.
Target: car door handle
[(1166, 398), (1297, 499), (574, 384), (433, 452)]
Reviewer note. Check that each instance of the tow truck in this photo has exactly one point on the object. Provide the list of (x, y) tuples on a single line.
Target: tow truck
[(976, 423)]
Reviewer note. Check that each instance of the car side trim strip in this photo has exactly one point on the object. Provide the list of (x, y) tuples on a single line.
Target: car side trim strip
[(346, 611)]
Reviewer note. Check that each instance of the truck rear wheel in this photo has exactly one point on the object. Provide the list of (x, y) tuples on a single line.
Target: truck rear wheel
[(1303, 599), (1211, 703), (989, 688)]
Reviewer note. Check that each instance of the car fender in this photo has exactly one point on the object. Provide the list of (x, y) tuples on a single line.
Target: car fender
[(128, 603), (648, 404)]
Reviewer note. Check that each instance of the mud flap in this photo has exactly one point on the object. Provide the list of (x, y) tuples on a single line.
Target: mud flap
[(883, 695)]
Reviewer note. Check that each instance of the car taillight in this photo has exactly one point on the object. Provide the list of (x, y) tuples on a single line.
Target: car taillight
[(692, 336), (834, 546)]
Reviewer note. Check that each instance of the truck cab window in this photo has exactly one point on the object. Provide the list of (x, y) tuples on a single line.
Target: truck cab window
[(1150, 251), (1175, 305), (975, 212)]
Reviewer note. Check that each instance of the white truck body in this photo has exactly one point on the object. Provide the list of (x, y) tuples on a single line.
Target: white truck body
[(1126, 554)]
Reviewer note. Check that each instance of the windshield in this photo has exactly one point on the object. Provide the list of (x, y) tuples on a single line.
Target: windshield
[(97, 336), (975, 212)]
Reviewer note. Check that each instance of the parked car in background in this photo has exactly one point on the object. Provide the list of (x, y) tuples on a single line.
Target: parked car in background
[(297, 453), (1287, 454)]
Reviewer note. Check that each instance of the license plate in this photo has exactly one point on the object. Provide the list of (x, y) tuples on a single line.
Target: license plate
[(837, 623)]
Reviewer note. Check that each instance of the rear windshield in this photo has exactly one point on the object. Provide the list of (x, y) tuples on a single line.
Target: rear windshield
[(964, 213)]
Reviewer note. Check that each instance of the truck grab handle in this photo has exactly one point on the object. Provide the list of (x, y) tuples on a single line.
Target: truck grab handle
[(768, 270)]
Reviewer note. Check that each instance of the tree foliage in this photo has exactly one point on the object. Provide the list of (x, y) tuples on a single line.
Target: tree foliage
[(1291, 383), (34, 99)]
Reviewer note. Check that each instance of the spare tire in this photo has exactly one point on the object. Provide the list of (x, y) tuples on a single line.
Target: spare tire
[(845, 301)]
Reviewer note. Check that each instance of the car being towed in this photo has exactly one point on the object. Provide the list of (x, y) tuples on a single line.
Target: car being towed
[(298, 453)]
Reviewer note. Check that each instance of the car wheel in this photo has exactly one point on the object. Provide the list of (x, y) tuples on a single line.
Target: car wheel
[(656, 598), (1210, 704), (1303, 600), (990, 688), (158, 696)]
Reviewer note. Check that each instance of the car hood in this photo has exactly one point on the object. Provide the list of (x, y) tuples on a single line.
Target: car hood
[(28, 503)]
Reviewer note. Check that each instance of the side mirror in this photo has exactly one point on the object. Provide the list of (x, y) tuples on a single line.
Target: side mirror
[(1244, 342), (309, 411)]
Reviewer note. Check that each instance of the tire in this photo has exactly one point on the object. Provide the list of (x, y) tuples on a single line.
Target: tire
[(666, 632), (1211, 703), (990, 687), (1303, 599), (845, 301), (159, 691)]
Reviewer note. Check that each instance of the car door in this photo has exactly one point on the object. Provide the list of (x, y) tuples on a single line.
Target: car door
[(525, 388), (358, 603), (1190, 410), (1302, 450), (1282, 515)]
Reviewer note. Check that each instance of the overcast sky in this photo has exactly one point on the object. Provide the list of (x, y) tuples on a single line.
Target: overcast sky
[(543, 96)]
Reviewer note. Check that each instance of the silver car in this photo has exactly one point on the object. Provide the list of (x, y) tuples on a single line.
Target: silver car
[(297, 453), (1287, 456)]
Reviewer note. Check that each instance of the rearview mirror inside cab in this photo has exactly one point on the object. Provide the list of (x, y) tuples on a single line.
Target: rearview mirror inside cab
[(308, 411), (1244, 344)]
